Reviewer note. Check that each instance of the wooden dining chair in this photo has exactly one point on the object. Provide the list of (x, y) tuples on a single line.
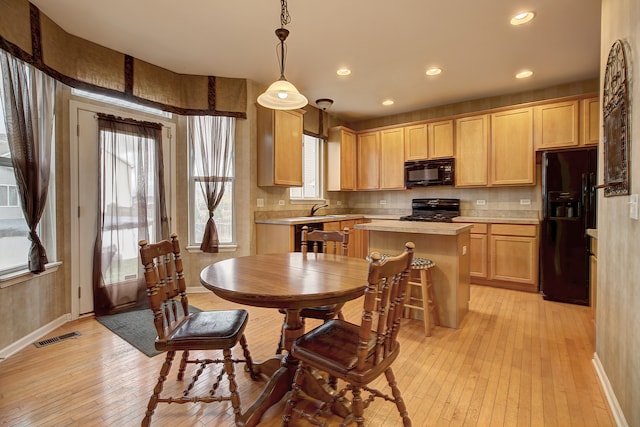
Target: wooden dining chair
[(332, 242), (180, 330), (358, 354)]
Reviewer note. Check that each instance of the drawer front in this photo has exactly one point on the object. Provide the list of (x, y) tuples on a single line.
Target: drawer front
[(479, 228), (514, 230)]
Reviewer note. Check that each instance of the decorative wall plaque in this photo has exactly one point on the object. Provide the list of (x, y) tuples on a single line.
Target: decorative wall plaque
[(615, 111)]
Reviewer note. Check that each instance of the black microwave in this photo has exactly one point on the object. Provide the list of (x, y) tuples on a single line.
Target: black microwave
[(429, 172)]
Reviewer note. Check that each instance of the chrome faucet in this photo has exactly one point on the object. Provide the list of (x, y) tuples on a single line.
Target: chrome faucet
[(316, 208)]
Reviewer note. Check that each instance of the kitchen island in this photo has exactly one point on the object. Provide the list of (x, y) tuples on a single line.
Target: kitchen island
[(447, 244)]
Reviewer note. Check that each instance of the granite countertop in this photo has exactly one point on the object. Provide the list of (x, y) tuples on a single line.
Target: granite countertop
[(497, 220), (323, 218), (418, 227)]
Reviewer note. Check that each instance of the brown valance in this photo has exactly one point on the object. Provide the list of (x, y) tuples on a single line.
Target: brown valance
[(30, 35)]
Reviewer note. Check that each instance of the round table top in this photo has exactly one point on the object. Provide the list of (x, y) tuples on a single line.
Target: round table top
[(287, 280)]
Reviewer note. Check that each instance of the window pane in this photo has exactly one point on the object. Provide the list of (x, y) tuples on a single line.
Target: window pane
[(14, 241), (223, 215), (312, 170)]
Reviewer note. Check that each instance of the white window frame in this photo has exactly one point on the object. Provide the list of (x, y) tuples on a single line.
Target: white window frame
[(296, 194), (194, 187)]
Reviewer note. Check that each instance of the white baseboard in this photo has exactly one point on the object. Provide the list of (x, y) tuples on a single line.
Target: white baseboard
[(33, 336), (618, 415)]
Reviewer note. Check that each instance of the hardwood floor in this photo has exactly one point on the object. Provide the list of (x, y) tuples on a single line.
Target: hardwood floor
[(517, 360)]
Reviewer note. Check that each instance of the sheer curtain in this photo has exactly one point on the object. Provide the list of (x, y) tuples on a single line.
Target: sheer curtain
[(131, 207), (211, 139), (28, 98)]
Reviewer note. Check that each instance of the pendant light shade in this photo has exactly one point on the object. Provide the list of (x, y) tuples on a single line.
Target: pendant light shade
[(282, 95)]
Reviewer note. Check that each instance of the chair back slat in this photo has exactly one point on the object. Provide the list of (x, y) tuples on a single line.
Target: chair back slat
[(383, 305), (333, 242), (166, 286)]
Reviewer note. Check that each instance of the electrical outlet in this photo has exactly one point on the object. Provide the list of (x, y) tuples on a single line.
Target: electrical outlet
[(281, 202), (260, 203), (481, 202), (633, 206), (383, 202), (525, 201), (339, 203)]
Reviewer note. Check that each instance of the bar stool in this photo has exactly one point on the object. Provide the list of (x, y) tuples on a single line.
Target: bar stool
[(426, 300)]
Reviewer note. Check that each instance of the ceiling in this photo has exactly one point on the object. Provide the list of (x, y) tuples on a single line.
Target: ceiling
[(388, 45)]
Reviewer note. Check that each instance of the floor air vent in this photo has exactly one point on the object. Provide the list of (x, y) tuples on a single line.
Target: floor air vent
[(59, 338)]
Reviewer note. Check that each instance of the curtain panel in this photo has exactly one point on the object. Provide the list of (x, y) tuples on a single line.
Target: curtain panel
[(28, 98), (211, 140), (131, 207)]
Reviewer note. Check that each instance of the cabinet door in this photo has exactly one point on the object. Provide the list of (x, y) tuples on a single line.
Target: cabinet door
[(341, 158), (288, 148), (512, 154), (472, 151), (556, 125), (392, 159), (368, 161), (478, 255), (441, 139), (415, 142), (513, 259), (590, 118)]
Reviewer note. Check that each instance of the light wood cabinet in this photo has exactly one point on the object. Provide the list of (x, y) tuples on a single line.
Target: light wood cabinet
[(441, 139), (279, 143), (416, 142), (342, 159), (556, 125), (513, 254), (512, 159), (368, 161), (472, 151), (504, 255), (478, 259), (392, 159), (590, 121)]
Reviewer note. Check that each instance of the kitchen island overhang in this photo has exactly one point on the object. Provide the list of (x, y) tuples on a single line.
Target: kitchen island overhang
[(447, 244)]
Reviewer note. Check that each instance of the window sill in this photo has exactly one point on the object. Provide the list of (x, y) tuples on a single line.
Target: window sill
[(225, 248), (16, 277)]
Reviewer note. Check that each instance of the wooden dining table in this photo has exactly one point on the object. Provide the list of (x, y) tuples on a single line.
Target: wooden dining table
[(289, 281)]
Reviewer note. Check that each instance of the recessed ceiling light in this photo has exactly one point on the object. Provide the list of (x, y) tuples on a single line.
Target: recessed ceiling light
[(387, 102), (524, 74), (433, 71), (343, 71), (522, 18)]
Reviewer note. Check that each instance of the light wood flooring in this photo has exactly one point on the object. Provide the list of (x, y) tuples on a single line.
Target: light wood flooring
[(517, 360)]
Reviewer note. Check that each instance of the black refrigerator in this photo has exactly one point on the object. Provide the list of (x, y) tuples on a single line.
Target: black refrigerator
[(569, 208)]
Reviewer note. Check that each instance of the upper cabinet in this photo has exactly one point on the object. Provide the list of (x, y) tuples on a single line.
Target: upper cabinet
[(342, 159), (590, 118), (512, 154), (429, 140), (392, 159), (556, 125), (279, 142), (368, 169), (416, 146), (441, 139), (472, 151)]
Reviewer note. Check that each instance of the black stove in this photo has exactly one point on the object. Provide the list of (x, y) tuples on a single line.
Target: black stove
[(433, 210)]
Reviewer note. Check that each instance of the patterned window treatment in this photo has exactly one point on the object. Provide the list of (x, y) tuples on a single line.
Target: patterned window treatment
[(28, 97), (131, 207), (211, 139)]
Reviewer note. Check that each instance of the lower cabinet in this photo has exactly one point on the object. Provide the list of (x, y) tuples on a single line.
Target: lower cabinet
[(358, 239), (505, 255)]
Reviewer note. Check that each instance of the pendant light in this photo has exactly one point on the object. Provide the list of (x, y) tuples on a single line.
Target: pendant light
[(282, 95)]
